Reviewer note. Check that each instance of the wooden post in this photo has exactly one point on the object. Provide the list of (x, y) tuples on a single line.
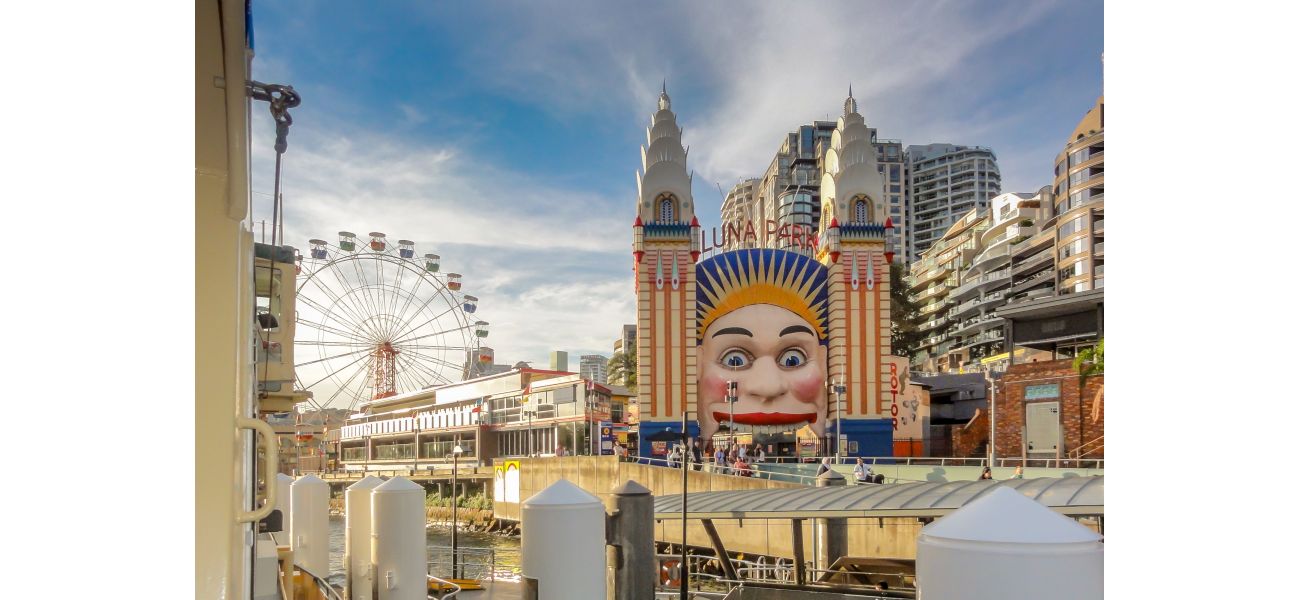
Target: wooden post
[(727, 568), (796, 539)]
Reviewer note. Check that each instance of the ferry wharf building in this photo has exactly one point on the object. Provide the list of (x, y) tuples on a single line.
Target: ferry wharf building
[(522, 412), (803, 336)]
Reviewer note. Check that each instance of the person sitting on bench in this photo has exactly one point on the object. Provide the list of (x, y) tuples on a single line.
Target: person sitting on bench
[(863, 473)]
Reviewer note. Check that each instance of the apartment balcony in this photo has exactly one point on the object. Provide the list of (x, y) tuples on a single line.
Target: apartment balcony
[(1099, 249), (935, 291), (1035, 262), (931, 274), (1046, 276), (990, 336), (977, 324), (935, 323), (967, 307), (1033, 243), (1033, 294), (930, 308), (992, 258), (1099, 226), (982, 282)]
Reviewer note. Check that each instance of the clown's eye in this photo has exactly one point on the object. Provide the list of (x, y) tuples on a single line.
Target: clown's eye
[(735, 359), (792, 358)]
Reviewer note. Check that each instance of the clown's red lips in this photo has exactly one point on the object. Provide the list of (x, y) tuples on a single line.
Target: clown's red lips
[(768, 418)]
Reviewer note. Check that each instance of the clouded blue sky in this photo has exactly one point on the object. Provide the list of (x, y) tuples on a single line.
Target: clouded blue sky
[(505, 135)]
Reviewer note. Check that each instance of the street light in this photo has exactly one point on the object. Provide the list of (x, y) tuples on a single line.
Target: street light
[(455, 454), (732, 396), (839, 398), (415, 424), (684, 567)]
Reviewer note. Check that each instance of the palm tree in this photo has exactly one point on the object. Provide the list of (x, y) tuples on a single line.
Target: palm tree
[(622, 367)]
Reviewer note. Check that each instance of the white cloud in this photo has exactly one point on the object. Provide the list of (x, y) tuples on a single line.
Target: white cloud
[(916, 69), (413, 115), (548, 263)]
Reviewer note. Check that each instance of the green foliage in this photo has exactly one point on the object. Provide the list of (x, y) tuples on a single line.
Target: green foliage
[(904, 313), (476, 501), (622, 366), (1091, 361)]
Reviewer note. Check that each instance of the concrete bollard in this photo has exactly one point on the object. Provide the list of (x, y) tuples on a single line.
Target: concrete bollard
[(832, 534), (398, 548), (356, 540), (630, 554), (309, 525), (284, 487), (1005, 546), (563, 543)]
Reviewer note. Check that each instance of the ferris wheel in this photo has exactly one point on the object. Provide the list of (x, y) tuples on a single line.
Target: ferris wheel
[(373, 321)]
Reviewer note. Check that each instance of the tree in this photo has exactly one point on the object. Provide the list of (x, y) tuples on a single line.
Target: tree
[(1091, 361), (622, 367), (905, 315)]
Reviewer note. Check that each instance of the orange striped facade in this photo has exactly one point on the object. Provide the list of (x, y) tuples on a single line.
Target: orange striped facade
[(860, 330), (665, 333)]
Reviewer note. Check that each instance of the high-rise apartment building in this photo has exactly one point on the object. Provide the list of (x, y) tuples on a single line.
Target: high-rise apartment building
[(945, 182), (1058, 275), (559, 360), (932, 279), (741, 206), (789, 192), (891, 157), (593, 367), (966, 277), (625, 343), (982, 289)]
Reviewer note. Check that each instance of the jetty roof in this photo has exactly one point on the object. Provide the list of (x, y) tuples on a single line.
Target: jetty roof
[(1072, 496)]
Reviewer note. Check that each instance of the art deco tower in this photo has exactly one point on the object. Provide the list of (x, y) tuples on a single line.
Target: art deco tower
[(665, 247), (852, 245)]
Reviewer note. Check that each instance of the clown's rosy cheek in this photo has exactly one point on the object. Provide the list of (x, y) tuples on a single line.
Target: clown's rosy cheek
[(807, 388), (713, 386)]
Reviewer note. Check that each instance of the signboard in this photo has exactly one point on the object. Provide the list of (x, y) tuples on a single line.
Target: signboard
[(505, 482), (1043, 392), (606, 438), (659, 448)]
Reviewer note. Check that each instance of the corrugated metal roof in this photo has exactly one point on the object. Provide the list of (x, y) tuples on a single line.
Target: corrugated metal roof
[(1074, 496)]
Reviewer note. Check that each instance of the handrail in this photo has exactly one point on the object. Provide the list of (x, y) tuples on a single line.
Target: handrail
[(270, 465), (1079, 452)]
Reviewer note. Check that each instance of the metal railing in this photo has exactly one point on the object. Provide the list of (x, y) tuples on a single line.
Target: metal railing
[(1083, 450), (471, 563)]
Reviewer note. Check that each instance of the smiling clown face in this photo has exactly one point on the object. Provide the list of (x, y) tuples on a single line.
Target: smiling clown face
[(778, 364)]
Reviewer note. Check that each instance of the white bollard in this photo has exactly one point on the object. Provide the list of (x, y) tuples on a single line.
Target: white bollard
[(398, 548), (283, 487), (356, 544), (1004, 546), (563, 543), (309, 525)]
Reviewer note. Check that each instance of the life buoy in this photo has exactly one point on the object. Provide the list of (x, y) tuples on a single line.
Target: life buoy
[(670, 573)]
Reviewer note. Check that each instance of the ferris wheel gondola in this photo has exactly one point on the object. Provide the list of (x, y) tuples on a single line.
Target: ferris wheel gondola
[(374, 321)]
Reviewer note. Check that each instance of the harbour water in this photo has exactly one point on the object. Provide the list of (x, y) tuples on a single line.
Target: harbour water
[(438, 539)]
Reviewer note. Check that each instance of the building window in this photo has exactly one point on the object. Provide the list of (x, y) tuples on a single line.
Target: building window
[(860, 211), (666, 210), (1073, 248)]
